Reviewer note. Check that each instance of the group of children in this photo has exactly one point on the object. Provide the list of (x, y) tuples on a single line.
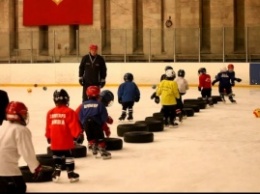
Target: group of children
[(170, 90)]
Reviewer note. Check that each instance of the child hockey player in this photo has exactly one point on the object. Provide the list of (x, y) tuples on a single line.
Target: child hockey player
[(205, 86), (16, 141), (225, 84), (169, 94), (93, 114), (62, 127), (232, 73), (183, 87), (128, 93)]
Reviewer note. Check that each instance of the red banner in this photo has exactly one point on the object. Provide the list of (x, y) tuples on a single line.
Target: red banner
[(57, 12)]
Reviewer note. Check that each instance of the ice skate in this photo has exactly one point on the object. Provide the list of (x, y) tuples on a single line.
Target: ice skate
[(122, 117), (180, 117), (174, 124), (94, 149), (130, 117), (103, 154), (73, 177), (56, 175)]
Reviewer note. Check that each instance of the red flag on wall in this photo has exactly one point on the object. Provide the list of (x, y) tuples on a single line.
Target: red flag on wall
[(57, 12)]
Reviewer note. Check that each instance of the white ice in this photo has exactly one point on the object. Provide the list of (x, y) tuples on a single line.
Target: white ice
[(217, 150)]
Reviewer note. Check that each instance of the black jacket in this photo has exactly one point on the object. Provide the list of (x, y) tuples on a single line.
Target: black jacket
[(4, 101), (93, 69)]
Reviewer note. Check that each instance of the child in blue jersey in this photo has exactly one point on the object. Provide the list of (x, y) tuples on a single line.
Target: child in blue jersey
[(128, 93), (93, 115)]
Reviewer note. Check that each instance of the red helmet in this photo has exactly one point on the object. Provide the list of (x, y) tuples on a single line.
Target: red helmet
[(17, 111), (93, 91), (93, 47), (230, 66)]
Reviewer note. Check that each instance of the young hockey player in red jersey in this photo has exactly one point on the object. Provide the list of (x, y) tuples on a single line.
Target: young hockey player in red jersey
[(205, 86), (62, 127)]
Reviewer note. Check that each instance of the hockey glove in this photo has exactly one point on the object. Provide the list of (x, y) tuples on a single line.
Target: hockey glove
[(199, 88), (49, 140), (81, 81), (157, 99), (102, 83), (120, 100), (38, 172), (137, 98), (80, 138), (238, 79), (153, 95), (110, 120), (106, 129)]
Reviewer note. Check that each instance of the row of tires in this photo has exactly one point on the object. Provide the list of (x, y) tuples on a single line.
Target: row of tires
[(138, 132)]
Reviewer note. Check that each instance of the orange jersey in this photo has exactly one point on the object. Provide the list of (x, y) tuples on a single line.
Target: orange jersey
[(62, 126)]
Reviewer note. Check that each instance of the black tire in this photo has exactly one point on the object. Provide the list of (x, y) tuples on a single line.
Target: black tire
[(79, 151), (189, 112), (213, 100), (154, 118), (217, 98), (195, 107), (138, 137), (114, 143), (202, 104), (158, 115), (123, 128), (46, 159), (45, 176), (154, 125)]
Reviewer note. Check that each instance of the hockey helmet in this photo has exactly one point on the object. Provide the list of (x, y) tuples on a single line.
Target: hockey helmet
[(202, 70), (167, 68), (128, 77), (170, 74), (17, 112), (107, 97), (61, 97), (230, 67), (181, 73), (93, 91), (223, 69)]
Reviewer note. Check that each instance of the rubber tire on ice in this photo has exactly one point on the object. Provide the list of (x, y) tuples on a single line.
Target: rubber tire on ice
[(79, 151), (46, 159), (158, 115), (113, 143), (154, 118), (28, 176), (138, 137), (195, 107), (153, 125), (202, 104), (123, 128), (214, 100), (217, 98), (189, 112)]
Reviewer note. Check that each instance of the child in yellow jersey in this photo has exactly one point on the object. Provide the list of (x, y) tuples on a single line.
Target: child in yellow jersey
[(168, 92)]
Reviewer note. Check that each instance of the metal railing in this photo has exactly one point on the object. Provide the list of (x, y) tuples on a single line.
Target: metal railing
[(126, 45)]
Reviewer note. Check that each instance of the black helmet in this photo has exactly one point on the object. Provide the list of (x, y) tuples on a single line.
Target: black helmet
[(181, 73), (107, 97), (128, 77), (61, 97), (202, 70), (167, 68)]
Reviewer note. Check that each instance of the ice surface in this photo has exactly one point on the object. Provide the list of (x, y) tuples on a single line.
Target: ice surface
[(217, 150)]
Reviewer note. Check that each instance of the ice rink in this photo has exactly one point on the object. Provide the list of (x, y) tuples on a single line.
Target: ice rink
[(216, 150)]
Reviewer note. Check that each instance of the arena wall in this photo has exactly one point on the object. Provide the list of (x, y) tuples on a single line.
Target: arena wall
[(145, 74)]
